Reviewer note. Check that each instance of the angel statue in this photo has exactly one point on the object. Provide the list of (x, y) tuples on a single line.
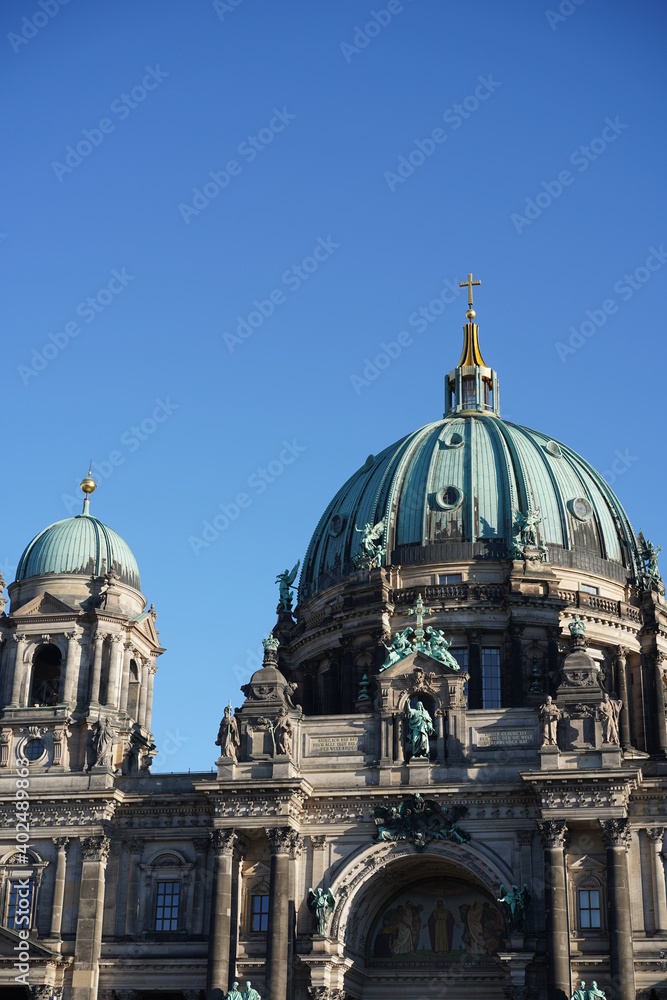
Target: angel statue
[(372, 549), (228, 735), (321, 904), (399, 648), (517, 901), (437, 646), (286, 581)]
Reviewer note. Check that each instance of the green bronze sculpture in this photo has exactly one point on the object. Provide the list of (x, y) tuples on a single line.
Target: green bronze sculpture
[(286, 581), (419, 639), (420, 821), (249, 993), (421, 727), (321, 904), (399, 648), (234, 993), (517, 902), (438, 647), (371, 549)]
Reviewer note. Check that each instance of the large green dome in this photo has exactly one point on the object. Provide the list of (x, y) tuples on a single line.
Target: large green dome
[(450, 491), (80, 545)]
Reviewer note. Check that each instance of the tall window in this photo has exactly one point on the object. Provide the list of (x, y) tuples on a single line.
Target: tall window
[(460, 654), (491, 678), (166, 914), (589, 908), (19, 909), (45, 686), (259, 912)]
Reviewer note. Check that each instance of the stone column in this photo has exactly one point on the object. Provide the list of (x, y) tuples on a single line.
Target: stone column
[(658, 662), (284, 842), (72, 665), (17, 679), (135, 847), (113, 699), (553, 833), (655, 836), (616, 837), (59, 887), (125, 681), (622, 689), (97, 667), (142, 665), (223, 842), (88, 944), (200, 845), (152, 670)]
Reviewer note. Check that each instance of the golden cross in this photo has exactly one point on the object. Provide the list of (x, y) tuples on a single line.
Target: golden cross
[(469, 283)]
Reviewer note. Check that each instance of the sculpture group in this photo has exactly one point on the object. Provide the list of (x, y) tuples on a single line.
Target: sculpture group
[(371, 549), (608, 713), (419, 820), (427, 640), (249, 993), (593, 993)]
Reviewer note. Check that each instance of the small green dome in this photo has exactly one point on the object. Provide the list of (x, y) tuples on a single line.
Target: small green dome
[(81, 545), (449, 492)]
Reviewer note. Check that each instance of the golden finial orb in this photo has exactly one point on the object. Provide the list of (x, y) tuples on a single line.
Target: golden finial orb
[(471, 314), (88, 485)]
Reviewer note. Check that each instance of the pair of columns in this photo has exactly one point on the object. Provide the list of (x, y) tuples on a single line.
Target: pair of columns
[(616, 837), (286, 845)]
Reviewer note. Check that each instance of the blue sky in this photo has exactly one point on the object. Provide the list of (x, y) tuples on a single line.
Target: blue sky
[(331, 168)]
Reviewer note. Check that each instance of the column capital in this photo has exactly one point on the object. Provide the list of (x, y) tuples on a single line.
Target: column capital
[(318, 841), (284, 840), (95, 848), (325, 993), (223, 841), (615, 832), (117, 639), (60, 842), (655, 834), (622, 652), (553, 832)]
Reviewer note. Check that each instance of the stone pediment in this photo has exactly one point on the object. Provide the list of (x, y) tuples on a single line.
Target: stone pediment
[(45, 604), (9, 939), (145, 625)]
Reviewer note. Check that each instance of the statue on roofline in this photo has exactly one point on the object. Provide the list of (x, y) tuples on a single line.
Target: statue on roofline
[(286, 582), (371, 548)]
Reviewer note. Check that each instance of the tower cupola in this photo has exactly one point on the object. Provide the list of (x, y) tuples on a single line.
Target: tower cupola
[(471, 385)]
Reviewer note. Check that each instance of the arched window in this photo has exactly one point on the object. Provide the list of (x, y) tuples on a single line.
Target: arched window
[(258, 908), (20, 877), (133, 690), (45, 684)]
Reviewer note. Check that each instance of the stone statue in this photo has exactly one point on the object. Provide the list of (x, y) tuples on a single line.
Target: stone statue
[(234, 993), (286, 581), (228, 735), (550, 713), (580, 994), (3, 583), (517, 901), (399, 648), (421, 727), (595, 992), (438, 647), (321, 904), (371, 548), (249, 993), (103, 735), (108, 587), (283, 733), (610, 709)]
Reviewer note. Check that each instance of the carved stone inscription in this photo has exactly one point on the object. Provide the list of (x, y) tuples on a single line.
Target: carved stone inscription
[(505, 738), (336, 744)]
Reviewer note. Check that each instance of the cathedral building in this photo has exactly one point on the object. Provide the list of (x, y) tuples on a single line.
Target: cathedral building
[(447, 778)]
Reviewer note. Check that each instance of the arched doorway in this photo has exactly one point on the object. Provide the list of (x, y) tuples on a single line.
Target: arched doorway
[(422, 924)]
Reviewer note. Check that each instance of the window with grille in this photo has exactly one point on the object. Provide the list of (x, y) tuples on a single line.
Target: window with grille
[(460, 654), (589, 909), (19, 909), (166, 914), (491, 678), (259, 913)]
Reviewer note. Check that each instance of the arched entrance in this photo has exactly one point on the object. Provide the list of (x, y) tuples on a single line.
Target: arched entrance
[(421, 924)]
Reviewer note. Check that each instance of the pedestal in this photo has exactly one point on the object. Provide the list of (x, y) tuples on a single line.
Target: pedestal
[(283, 767), (226, 768), (549, 758), (419, 771), (610, 754)]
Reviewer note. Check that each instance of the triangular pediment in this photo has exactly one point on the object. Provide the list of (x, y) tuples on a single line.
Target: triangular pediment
[(420, 659), (9, 939), (587, 864), (45, 604)]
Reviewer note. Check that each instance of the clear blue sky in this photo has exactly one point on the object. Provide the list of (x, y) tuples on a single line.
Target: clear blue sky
[(304, 114)]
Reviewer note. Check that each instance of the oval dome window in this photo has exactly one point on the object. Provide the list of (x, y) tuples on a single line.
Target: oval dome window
[(448, 497), (581, 508), (554, 449)]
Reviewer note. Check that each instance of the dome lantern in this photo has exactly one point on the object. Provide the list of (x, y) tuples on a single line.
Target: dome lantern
[(471, 385)]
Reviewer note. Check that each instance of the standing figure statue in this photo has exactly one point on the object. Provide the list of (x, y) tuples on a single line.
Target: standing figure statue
[(517, 901), (550, 713), (594, 992), (526, 525), (103, 742), (370, 545), (234, 993), (286, 581), (610, 709), (437, 646), (249, 993), (399, 648), (283, 733), (321, 904), (580, 994), (228, 735), (421, 727)]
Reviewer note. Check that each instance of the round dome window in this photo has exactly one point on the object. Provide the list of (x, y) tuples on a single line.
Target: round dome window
[(448, 497), (336, 525), (554, 449), (34, 750), (581, 508), (455, 440)]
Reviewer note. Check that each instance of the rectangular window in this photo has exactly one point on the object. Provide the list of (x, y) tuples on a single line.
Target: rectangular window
[(585, 589), (491, 678), (589, 909), (460, 654), (449, 578), (166, 914), (259, 913), (19, 911)]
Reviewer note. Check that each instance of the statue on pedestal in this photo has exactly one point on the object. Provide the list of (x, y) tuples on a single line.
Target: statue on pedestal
[(103, 735), (283, 733), (321, 904), (550, 713), (228, 735), (286, 581), (517, 901), (421, 727), (371, 547), (610, 709)]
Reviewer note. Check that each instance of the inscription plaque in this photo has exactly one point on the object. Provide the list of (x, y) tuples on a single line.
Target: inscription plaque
[(336, 744), (507, 738)]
